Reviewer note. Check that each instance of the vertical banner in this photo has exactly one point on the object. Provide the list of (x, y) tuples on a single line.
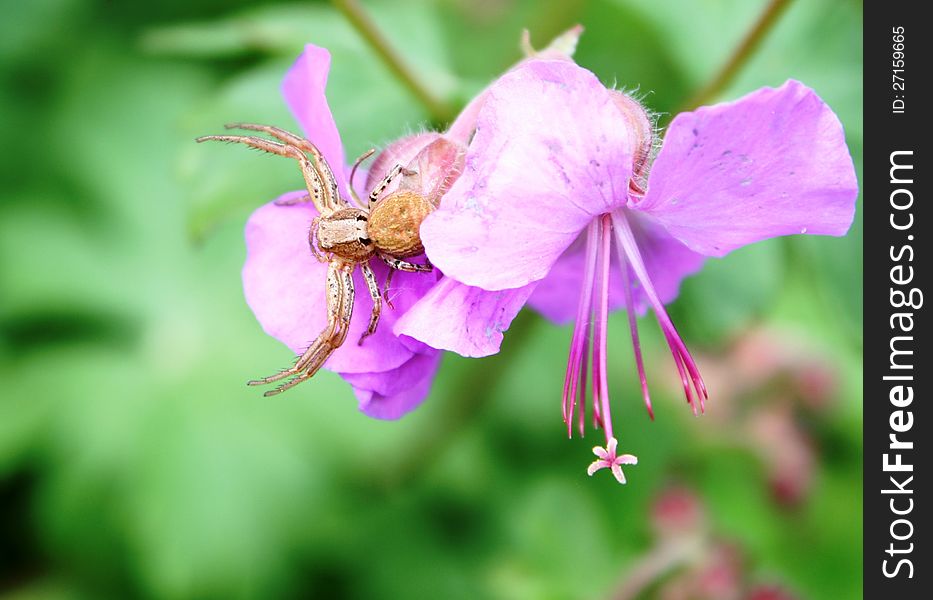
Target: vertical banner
[(897, 368)]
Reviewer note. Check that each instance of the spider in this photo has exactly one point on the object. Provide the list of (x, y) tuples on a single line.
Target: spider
[(345, 236)]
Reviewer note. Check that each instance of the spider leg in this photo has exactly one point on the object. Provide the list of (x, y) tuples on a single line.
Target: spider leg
[(385, 289), (312, 236), (294, 201), (401, 265), (382, 185), (377, 301), (295, 140), (314, 363), (356, 165), (321, 197), (339, 310)]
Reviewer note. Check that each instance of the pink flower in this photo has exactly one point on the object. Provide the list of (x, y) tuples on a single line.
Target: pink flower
[(560, 206), (606, 458), (285, 285)]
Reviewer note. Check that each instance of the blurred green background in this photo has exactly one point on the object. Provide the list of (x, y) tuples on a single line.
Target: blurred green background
[(135, 463)]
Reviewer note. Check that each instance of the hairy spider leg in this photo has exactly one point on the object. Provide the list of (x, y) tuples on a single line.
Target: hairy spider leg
[(399, 265), (385, 289), (402, 265), (340, 297), (377, 301), (382, 185), (312, 240), (323, 167), (317, 361), (313, 181), (356, 165), (334, 306), (294, 200)]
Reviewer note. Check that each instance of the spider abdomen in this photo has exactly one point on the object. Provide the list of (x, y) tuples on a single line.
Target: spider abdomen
[(395, 223)]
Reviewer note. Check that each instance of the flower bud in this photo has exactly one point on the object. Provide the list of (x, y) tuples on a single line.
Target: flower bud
[(641, 127)]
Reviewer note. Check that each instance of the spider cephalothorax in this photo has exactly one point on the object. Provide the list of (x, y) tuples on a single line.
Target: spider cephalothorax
[(348, 235)]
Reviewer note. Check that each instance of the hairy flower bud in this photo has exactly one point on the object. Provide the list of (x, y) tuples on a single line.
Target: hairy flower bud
[(641, 126)]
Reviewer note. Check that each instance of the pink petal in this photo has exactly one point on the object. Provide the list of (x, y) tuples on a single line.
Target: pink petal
[(303, 89), (772, 163), (611, 446), (284, 286), (463, 319), (668, 262), (392, 394), (617, 471), (596, 465), (601, 453), (550, 153), (627, 459)]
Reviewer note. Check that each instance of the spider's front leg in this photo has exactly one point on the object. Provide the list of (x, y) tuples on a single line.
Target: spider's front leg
[(323, 196), (324, 171), (340, 298)]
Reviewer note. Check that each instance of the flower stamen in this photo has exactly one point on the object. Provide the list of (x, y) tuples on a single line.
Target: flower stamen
[(633, 328), (686, 366), (580, 342)]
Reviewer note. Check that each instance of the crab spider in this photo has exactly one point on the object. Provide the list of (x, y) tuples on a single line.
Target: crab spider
[(345, 236)]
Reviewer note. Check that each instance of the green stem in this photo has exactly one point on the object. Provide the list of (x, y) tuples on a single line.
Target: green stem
[(439, 110), (740, 55)]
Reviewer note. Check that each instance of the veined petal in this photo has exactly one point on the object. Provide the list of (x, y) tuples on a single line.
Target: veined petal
[(463, 319), (394, 393), (550, 153), (285, 287), (303, 89), (772, 163)]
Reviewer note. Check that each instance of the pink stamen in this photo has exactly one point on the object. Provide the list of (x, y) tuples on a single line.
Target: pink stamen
[(581, 424), (633, 327), (682, 358), (576, 363), (601, 325)]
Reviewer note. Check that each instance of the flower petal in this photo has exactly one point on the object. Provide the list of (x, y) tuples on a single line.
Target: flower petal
[(627, 459), (392, 394), (772, 163), (461, 318), (611, 447), (303, 89), (550, 153), (667, 260), (596, 465), (284, 286), (617, 471)]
